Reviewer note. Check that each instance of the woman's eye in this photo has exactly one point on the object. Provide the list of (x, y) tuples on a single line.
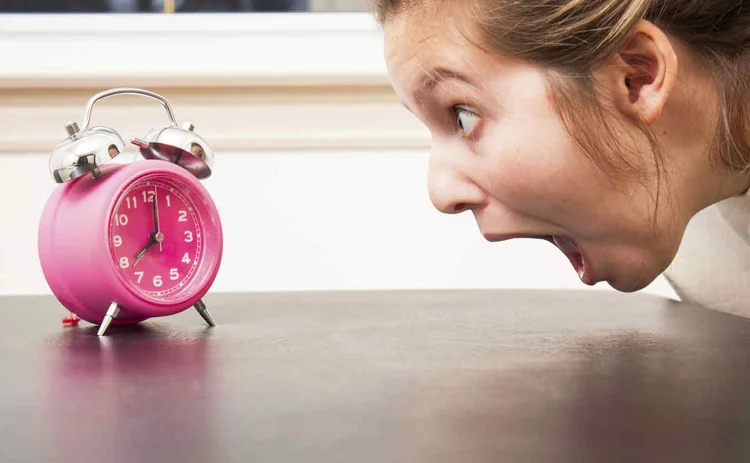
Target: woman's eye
[(465, 120)]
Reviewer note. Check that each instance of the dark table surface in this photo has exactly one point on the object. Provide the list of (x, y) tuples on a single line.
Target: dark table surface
[(452, 376)]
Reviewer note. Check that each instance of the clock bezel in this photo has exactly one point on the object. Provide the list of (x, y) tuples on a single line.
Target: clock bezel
[(208, 218)]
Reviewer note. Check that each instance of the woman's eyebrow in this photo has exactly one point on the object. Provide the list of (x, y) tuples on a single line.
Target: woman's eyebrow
[(431, 78)]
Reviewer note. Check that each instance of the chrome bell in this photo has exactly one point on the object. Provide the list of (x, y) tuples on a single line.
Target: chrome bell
[(84, 152), (179, 145)]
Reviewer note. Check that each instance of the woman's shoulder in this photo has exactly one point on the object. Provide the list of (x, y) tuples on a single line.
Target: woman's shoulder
[(712, 266), (736, 212)]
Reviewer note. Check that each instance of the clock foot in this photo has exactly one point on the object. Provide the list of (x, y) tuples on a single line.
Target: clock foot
[(203, 311), (112, 313)]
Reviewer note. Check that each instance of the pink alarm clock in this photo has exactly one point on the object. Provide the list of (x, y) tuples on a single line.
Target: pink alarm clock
[(121, 242)]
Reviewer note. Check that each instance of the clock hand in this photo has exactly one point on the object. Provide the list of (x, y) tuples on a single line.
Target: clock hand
[(158, 236), (151, 241), (154, 237)]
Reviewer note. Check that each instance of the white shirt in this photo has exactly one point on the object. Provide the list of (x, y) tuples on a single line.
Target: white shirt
[(712, 266)]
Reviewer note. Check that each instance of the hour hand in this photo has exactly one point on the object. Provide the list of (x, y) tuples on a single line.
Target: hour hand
[(151, 241)]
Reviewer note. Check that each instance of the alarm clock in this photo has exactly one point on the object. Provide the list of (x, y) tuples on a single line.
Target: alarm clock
[(123, 241)]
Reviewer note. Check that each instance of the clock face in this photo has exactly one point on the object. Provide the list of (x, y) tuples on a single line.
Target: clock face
[(157, 238)]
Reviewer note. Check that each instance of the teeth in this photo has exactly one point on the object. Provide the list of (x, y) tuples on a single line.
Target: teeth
[(580, 273)]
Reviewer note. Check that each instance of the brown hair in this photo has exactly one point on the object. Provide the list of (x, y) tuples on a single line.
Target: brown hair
[(574, 37)]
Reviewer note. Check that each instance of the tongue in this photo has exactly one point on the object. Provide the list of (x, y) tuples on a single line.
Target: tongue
[(566, 245)]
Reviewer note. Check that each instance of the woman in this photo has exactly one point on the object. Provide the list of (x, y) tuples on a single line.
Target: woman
[(603, 126)]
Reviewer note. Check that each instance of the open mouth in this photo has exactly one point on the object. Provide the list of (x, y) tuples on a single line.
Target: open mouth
[(570, 248), (577, 256)]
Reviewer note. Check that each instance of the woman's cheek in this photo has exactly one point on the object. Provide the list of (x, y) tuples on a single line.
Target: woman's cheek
[(516, 174), (516, 184)]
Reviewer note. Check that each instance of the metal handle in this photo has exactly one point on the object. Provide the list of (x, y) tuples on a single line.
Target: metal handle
[(127, 91)]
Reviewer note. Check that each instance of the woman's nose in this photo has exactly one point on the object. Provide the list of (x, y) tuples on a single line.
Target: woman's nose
[(452, 192)]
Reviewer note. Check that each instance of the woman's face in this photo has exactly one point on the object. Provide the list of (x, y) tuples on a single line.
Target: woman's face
[(500, 151)]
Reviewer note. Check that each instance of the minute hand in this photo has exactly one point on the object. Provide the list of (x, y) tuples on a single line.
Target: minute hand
[(157, 232)]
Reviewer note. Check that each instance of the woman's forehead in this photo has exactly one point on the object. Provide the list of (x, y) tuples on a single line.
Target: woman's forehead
[(417, 54), (421, 45)]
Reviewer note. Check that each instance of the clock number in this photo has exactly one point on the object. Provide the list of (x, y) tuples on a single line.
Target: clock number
[(173, 275), (188, 236), (117, 240), (132, 202), (169, 201), (140, 276), (186, 258), (183, 216), (157, 281), (121, 220), (124, 263), (148, 196)]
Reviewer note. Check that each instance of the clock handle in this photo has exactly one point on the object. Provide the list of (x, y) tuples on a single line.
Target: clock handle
[(127, 91), (200, 306)]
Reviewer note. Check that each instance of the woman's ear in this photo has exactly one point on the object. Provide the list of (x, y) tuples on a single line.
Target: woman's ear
[(644, 73)]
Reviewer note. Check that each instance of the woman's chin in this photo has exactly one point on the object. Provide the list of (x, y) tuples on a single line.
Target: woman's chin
[(632, 281), (629, 269)]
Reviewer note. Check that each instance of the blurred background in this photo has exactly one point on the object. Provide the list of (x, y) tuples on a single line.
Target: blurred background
[(144, 6), (320, 172)]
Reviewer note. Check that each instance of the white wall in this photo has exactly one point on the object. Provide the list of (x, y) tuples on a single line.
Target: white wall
[(325, 220)]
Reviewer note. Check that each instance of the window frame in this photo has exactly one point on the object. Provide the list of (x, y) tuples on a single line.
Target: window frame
[(107, 49)]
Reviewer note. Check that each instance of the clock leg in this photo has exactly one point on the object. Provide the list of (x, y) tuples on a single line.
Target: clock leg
[(112, 313), (203, 311)]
